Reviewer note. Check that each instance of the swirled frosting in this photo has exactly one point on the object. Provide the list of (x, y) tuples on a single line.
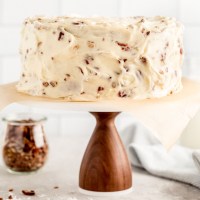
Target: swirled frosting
[(101, 58)]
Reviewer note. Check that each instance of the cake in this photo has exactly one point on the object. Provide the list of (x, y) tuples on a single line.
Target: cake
[(87, 59)]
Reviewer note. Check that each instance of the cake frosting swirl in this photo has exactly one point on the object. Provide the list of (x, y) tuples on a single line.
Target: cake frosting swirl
[(101, 58)]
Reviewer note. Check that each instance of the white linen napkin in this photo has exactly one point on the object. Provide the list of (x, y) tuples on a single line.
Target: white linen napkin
[(145, 151)]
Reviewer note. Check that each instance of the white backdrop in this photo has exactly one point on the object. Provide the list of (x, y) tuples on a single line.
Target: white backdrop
[(13, 12)]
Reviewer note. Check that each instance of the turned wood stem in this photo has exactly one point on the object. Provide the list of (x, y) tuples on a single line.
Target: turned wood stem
[(105, 166)]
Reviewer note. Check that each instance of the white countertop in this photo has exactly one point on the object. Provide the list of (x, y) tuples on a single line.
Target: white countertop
[(62, 170)]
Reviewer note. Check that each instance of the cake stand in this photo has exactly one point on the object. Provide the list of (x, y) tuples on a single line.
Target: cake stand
[(105, 169)]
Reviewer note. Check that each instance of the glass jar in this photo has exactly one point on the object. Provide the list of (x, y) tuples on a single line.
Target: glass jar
[(25, 147)]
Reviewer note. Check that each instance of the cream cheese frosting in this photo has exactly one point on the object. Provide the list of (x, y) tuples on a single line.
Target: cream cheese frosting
[(101, 58)]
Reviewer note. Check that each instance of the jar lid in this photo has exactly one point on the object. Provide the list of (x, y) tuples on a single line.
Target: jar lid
[(24, 118)]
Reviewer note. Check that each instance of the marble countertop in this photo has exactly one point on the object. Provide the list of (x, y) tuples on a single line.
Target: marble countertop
[(62, 170)]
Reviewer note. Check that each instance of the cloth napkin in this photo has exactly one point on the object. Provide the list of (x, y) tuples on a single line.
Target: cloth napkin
[(145, 151)]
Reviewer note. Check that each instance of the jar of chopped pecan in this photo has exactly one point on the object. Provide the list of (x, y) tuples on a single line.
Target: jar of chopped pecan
[(25, 147)]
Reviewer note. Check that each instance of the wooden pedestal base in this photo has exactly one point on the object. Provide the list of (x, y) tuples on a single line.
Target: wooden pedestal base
[(105, 166)]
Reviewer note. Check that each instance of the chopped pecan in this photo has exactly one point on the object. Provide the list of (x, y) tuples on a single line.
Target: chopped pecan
[(28, 192), (88, 59), (53, 83), (76, 47), (126, 68), (90, 44), (181, 51), (61, 36), (114, 85), (45, 84), (97, 68), (118, 73), (163, 57), (143, 30), (166, 45), (87, 62), (81, 70), (139, 74), (161, 72), (141, 21), (100, 89), (123, 46), (77, 23), (122, 94), (143, 60), (148, 32), (119, 61), (39, 44)]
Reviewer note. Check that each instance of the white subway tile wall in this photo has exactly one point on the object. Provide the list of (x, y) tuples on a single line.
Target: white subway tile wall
[(189, 12), (9, 71), (149, 8), (192, 40), (9, 40), (90, 7), (12, 13)]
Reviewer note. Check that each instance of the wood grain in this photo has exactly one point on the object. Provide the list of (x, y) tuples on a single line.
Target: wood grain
[(105, 166)]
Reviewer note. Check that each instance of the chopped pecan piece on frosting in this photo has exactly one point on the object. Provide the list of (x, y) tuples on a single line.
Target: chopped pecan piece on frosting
[(45, 84)]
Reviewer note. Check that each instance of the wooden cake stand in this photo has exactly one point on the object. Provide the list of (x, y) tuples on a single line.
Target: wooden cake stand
[(105, 169)]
